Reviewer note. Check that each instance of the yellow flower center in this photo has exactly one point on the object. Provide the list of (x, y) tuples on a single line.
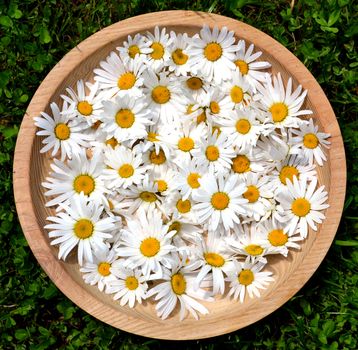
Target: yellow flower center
[(125, 118), (214, 107), (62, 131), (133, 50), (162, 185), (83, 228), (279, 112), (148, 196), (288, 172), (237, 94), (183, 206), (194, 83), (84, 183), (252, 194), (152, 136), (201, 118), (85, 108), (214, 259), (301, 207), (212, 153), (254, 249), (158, 51), (150, 247), (193, 180), (243, 66), (112, 142), (178, 284), (132, 283), (213, 51), (220, 200), (246, 277), (126, 81), (240, 164), (310, 141), (157, 159), (243, 126), (103, 269), (175, 226), (277, 238), (160, 94), (126, 171), (179, 57), (186, 144)]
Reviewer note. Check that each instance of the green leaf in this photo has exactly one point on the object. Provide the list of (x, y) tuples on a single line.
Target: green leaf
[(5, 21), (4, 79), (44, 35), (333, 17), (21, 334), (350, 243)]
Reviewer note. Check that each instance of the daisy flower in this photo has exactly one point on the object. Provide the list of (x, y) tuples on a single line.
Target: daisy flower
[(146, 244), (86, 107), (137, 47), (310, 142), (179, 61), (180, 208), (80, 225), (143, 195), (79, 174), (213, 53), (178, 286), (248, 278), (130, 286), (99, 272), (215, 259), (185, 231), (189, 177), (274, 146), (124, 167), (258, 191), (61, 133), (164, 178), (245, 63), (220, 201), (217, 106), (195, 87), (117, 78), (125, 118), (164, 98), (186, 140), (302, 205), (215, 153), (160, 43), (283, 107), (242, 128)]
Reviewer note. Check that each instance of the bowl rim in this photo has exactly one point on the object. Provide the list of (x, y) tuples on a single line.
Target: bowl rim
[(55, 268)]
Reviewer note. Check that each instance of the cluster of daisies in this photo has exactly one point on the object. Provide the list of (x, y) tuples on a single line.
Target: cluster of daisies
[(180, 169)]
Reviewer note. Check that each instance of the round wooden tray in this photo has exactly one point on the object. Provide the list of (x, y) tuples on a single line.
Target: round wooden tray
[(31, 167)]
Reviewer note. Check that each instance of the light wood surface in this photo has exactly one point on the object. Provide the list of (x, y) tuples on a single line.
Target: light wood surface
[(30, 169)]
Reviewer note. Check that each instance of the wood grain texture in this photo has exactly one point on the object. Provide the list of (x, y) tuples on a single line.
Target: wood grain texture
[(30, 169)]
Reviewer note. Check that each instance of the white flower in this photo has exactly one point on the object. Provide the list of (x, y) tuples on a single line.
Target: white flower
[(178, 286), (283, 107), (99, 271), (160, 49), (220, 201), (179, 62), (195, 87), (86, 107), (213, 53), (119, 78), (185, 231), (124, 167), (164, 178), (310, 142), (126, 118), (80, 174), (216, 105), (247, 277), (61, 133), (245, 63), (180, 208), (146, 244), (80, 225), (138, 47), (215, 153), (130, 286), (303, 205)]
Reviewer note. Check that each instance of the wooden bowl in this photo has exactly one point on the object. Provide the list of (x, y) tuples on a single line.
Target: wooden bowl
[(31, 167)]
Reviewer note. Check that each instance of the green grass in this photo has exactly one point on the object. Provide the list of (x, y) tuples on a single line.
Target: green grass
[(34, 35)]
